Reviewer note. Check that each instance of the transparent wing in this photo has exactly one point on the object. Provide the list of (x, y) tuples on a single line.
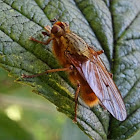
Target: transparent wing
[(94, 72)]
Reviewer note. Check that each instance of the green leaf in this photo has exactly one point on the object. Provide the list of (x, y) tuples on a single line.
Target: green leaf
[(109, 25)]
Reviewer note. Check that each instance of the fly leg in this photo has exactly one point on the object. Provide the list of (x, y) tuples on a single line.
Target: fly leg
[(41, 42), (95, 52), (100, 52), (48, 71), (48, 29), (48, 33), (102, 106), (76, 100), (111, 75)]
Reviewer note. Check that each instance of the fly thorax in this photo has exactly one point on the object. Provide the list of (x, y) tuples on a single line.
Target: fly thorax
[(76, 44)]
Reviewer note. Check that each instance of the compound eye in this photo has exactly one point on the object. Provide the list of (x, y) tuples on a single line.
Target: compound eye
[(55, 29)]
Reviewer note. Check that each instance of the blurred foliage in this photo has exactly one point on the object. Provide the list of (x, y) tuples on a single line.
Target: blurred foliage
[(25, 115), (39, 122), (10, 130)]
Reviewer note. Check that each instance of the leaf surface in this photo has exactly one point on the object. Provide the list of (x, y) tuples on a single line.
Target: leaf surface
[(109, 25)]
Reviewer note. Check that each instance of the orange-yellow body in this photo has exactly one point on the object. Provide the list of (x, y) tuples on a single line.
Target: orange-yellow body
[(77, 46), (86, 70)]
